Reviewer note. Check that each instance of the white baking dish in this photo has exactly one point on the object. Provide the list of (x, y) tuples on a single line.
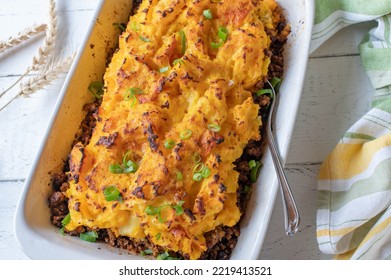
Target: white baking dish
[(41, 240)]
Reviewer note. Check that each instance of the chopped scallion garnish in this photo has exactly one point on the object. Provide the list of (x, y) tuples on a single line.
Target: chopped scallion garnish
[(197, 177), (96, 88), (199, 167), (222, 33), (144, 39), (216, 45), (111, 193), (128, 166), (163, 256), (178, 208), (135, 90), (164, 69), (152, 210), (254, 171), (134, 26), (158, 236), (89, 236), (252, 164), (185, 134), (179, 176), (146, 252), (214, 127), (265, 91), (207, 14), (66, 220), (169, 144), (246, 189), (116, 168), (121, 26), (130, 95), (275, 82), (178, 60), (205, 172), (183, 41), (196, 158)]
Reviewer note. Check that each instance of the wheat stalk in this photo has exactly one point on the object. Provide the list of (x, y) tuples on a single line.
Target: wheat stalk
[(22, 36), (46, 48), (48, 44), (49, 73)]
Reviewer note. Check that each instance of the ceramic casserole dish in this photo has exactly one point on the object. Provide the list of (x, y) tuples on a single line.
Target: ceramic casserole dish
[(32, 222)]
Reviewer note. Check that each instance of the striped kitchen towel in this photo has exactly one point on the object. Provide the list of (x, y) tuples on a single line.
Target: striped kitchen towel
[(354, 214)]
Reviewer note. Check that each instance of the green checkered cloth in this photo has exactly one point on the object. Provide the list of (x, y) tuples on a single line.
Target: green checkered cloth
[(354, 186)]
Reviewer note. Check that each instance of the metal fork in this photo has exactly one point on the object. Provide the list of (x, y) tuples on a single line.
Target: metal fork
[(291, 213)]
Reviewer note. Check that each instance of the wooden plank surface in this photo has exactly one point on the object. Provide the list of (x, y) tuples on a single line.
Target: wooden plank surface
[(336, 93)]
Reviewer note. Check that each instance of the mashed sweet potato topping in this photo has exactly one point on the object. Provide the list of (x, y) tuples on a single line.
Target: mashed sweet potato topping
[(176, 113)]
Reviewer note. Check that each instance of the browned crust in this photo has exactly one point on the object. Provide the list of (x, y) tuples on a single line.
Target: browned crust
[(220, 241)]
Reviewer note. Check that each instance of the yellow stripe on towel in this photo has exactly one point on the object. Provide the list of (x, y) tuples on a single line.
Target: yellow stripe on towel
[(348, 160)]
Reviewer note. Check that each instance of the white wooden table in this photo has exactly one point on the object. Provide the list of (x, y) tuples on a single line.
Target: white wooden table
[(336, 93)]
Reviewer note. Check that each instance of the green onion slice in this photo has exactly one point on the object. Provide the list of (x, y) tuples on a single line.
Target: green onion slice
[(89, 236), (216, 45), (160, 218), (207, 14), (178, 60), (169, 144), (164, 69), (129, 165), (252, 164), (133, 101), (275, 82), (163, 256), (152, 210), (196, 158), (146, 252), (178, 208), (144, 39), (121, 26), (197, 177), (222, 33), (134, 26), (199, 167), (130, 95), (116, 169), (265, 91), (96, 88), (179, 176), (136, 90), (246, 189), (158, 236), (185, 134), (66, 220), (111, 193), (205, 172), (254, 172), (183, 41), (62, 231), (214, 127)]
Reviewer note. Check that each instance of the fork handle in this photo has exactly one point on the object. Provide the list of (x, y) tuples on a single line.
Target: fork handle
[(291, 213)]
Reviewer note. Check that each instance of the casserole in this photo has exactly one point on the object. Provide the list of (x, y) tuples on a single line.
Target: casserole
[(32, 218)]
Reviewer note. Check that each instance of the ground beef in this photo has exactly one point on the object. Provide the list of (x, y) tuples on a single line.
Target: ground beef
[(220, 241), (58, 203)]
